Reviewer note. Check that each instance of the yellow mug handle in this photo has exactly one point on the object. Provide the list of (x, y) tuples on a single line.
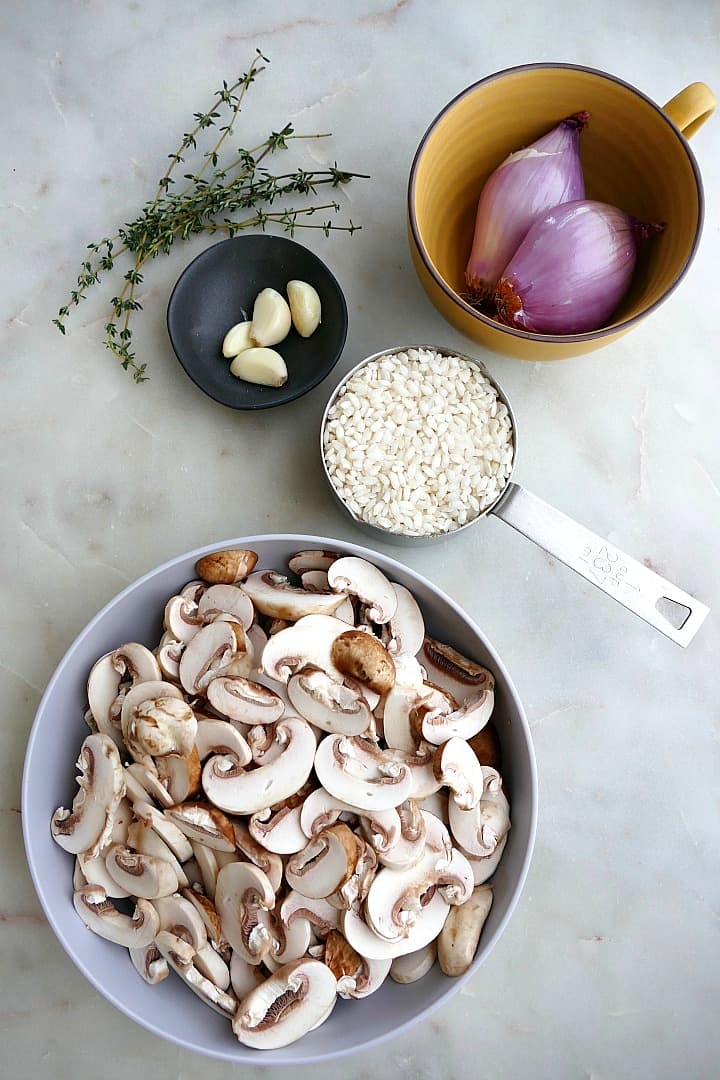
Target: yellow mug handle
[(689, 109)]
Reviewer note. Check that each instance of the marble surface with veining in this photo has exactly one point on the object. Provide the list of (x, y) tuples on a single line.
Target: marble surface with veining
[(610, 966)]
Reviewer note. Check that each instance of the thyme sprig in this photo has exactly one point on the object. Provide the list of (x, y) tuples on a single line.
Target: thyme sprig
[(209, 201)]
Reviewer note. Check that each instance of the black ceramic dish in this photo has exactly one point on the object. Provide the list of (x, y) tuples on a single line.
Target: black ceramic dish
[(218, 289)]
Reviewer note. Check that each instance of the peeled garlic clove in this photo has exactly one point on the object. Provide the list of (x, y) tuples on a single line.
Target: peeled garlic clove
[(237, 339), (304, 307), (263, 366), (271, 318)]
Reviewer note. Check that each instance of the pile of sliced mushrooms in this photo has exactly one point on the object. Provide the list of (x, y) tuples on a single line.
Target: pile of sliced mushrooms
[(294, 796)]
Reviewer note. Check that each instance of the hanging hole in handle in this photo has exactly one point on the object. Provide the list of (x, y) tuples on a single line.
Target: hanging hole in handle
[(676, 614)]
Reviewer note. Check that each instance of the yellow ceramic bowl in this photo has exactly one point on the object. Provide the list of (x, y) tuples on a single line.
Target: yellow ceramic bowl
[(635, 156)]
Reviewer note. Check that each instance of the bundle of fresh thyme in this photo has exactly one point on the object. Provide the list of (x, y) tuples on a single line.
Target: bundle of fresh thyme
[(203, 204)]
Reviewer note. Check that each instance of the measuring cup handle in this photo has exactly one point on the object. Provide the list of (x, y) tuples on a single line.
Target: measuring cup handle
[(689, 109), (674, 612)]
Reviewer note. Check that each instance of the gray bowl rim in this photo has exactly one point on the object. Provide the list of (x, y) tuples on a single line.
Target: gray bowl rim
[(309, 541)]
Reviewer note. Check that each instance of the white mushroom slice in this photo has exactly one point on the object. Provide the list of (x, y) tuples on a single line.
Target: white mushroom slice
[(480, 830), (79, 878), (291, 942), (140, 779), (168, 657), (303, 561), (410, 846), (182, 619), (324, 864), (220, 737), (437, 805), (232, 789), (205, 824), (193, 874), (462, 723), (332, 706), (356, 771), (458, 940), (363, 580), (95, 872), (321, 915), (244, 977), (131, 662), (413, 966), (293, 1001), (147, 876), (270, 863), (150, 964), (157, 721), (457, 767), (307, 643), (452, 671), (404, 633), (346, 612), (315, 581), (278, 829), (207, 912), (357, 977), (263, 747), (398, 728), (321, 809), (102, 917), (226, 567), (257, 638), (179, 956), (226, 600), (212, 966), (87, 826), (143, 839), (182, 918), (242, 894), (484, 867), (180, 775), (207, 863), (272, 594), (421, 766), (396, 898), (362, 657), (430, 921), (193, 590), (437, 836), (205, 655), (244, 701)]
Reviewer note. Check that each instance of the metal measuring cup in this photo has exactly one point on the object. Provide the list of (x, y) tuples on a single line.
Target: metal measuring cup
[(663, 605)]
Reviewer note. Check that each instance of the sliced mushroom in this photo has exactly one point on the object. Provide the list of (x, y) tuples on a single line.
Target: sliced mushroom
[(363, 580), (278, 828), (244, 977), (358, 772), (210, 964), (149, 963), (146, 876), (457, 767), (205, 655), (332, 706), (131, 663), (232, 789), (462, 723), (226, 600), (169, 652), (429, 923), (324, 864), (413, 966), (486, 746), (315, 581), (290, 942), (180, 775), (179, 956), (410, 846), (304, 561), (242, 700), (458, 940), (484, 866), (156, 721), (356, 976), (220, 737), (437, 805), (102, 917), (244, 899), (95, 872), (398, 706), (321, 915), (207, 912), (293, 1001), (226, 567), (353, 891), (454, 672), (181, 918), (397, 897), (208, 866), (272, 594), (403, 634), (270, 863), (364, 658), (137, 776), (307, 643), (321, 809), (205, 824), (421, 765), (193, 590), (87, 826), (182, 619), (479, 830)]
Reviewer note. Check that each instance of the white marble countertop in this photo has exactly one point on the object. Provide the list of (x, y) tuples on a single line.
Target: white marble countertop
[(610, 966)]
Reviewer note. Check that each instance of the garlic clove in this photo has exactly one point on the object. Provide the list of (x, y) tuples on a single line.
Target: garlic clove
[(262, 366), (237, 339), (304, 307), (271, 318)]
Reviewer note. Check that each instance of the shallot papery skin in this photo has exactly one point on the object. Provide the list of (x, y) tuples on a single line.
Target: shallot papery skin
[(527, 184), (572, 269)]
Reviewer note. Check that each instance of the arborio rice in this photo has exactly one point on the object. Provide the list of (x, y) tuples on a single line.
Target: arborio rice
[(417, 442)]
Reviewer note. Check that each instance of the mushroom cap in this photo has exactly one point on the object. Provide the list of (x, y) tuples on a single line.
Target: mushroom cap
[(486, 746), (102, 917), (351, 574), (203, 823), (232, 789), (293, 1001), (355, 770), (87, 826), (413, 966), (181, 918), (324, 864), (207, 912), (226, 600), (272, 594), (335, 707), (357, 976), (404, 633), (149, 963), (205, 656), (179, 956), (457, 767), (242, 892), (226, 567), (458, 940), (245, 701), (364, 658), (220, 737)]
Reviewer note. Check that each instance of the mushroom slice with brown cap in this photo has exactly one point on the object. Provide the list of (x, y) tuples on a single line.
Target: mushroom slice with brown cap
[(179, 956), (307, 643), (486, 746), (404, 633), (324, 864), (462, 723), (355, 770), (220, 737), (182, 619), (181, 918), (226, 567), (272, 594), (363, 580), (210, 964), (270, 863), (278, 828), (452, 671), (138, 776), (457, 767), (362, 657), (483, 867), (410, 846), (226, 600), (293, 1001), (207, 912), (205, 824), (129, 663), (335, 707), (180, 774), (244, 701), (430, 921), (244, 899), (232, 789), (414, 966), (87, 826), (147, 876), (169, 652), (208, 866), (149, 963), (316, 911), (205, 656), (458, 940), (303, 561), (356, 976), (479, 830), (102, 917), (352, 892)]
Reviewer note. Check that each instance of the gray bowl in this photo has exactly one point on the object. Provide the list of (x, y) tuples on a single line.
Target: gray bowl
[(170, 1010)]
